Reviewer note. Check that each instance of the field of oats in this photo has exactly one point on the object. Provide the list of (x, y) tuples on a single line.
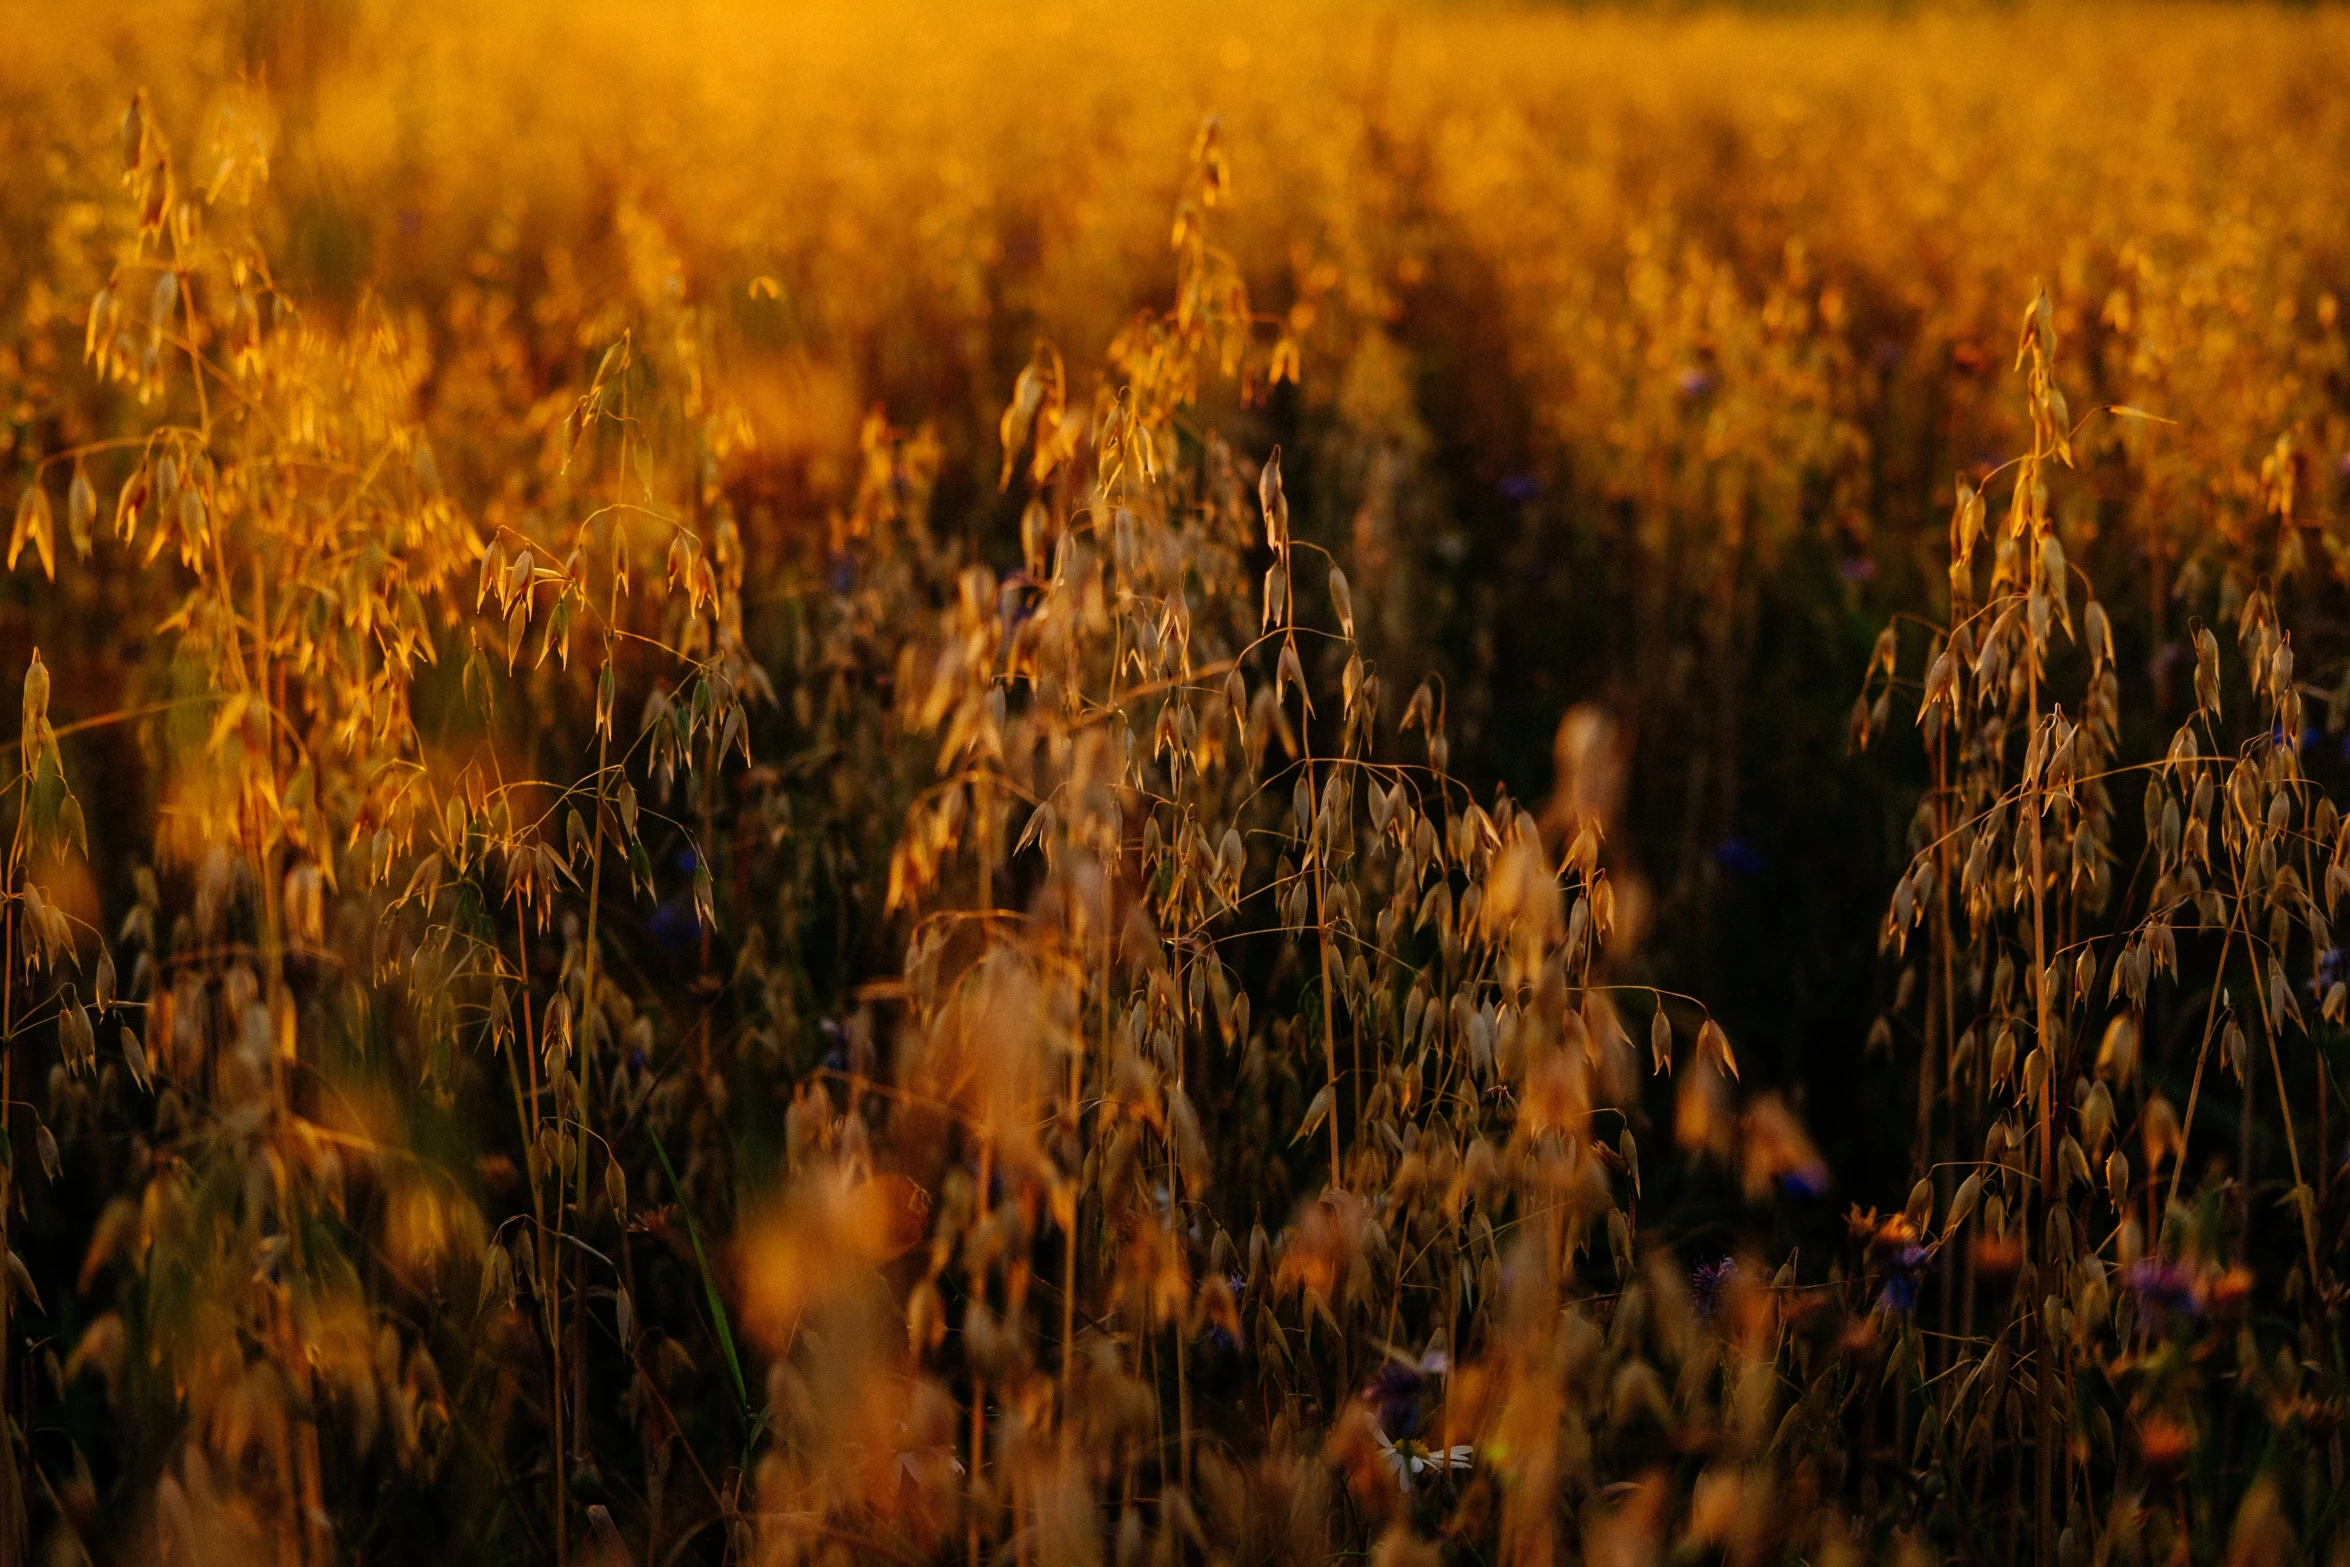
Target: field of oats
[(1173, 784)]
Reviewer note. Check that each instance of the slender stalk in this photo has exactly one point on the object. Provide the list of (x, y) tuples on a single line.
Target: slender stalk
[(1069, 1259), (2195, 1084), (978, 1382), (1944, 939), (1322, 932), (15, 1522), (2043, 1373), (2268, 1029)]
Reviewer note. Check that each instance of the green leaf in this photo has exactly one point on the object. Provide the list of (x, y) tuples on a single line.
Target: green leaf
[(709, 1279)]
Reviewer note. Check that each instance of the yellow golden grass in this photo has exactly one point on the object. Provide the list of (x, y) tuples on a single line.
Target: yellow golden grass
[(756, 813)]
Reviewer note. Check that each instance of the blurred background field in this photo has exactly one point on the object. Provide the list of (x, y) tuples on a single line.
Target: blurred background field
[(552, 402), (1669, 333)]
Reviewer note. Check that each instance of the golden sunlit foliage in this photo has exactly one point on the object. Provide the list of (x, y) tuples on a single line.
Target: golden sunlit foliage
[(763, 804)]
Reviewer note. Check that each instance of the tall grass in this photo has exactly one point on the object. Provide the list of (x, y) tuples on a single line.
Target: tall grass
[(780, 800)]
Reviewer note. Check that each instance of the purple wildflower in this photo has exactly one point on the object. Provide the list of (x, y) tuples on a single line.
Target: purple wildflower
[(1708, 1281), (1902, 1272), (1740, 858), (1806, 1180), (1393, 1392), (1218, 1339), (2163, 1290)]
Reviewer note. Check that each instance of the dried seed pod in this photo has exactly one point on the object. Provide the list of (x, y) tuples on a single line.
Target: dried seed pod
[(81, 512), (1919, 1210), (1962, 1204), (2117, 1053), (1714, 1046), (77, 1039), (163, 302), (35, 525), (1274, 503)]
